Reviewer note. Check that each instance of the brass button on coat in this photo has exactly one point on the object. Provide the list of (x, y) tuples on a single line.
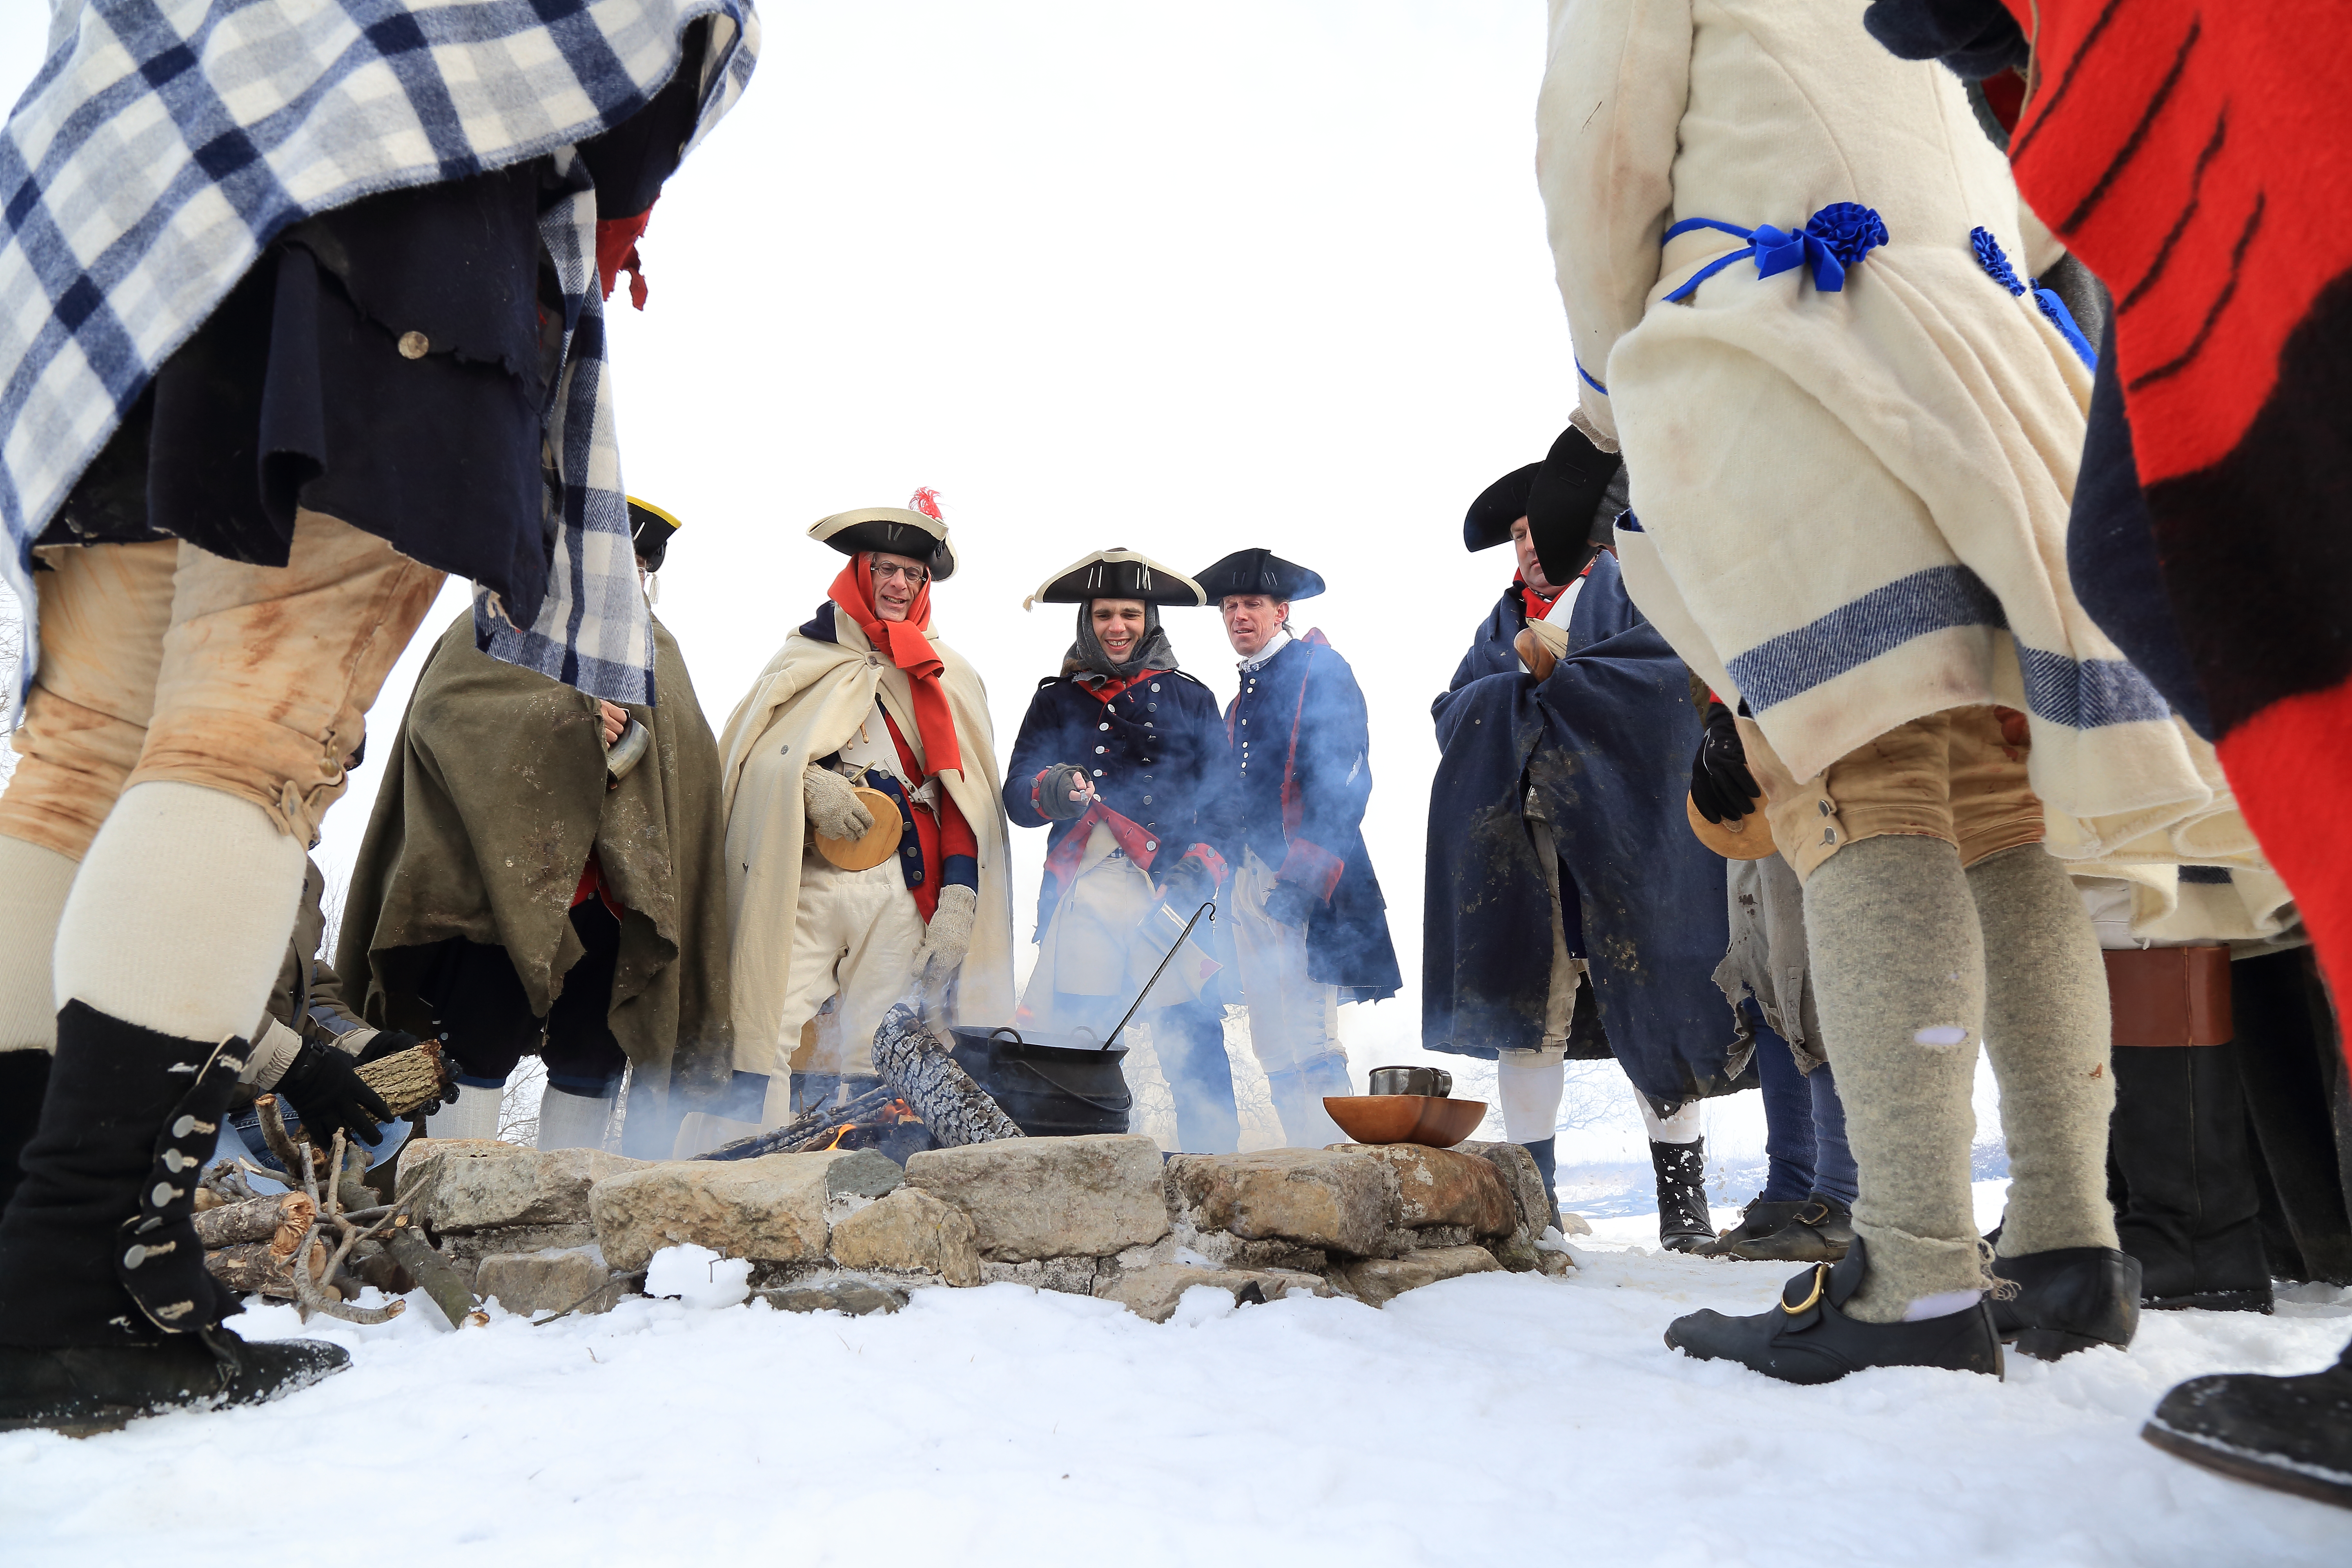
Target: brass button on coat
[(414, 345)]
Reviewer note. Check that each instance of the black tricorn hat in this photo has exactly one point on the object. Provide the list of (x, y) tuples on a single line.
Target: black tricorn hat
[(893, 530), (1117, 573), (650, 531), (1564, 495), (1259, 571), (1488, 521)]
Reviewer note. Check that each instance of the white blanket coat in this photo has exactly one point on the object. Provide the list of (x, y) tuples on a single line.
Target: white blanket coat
[(1852, 506), (805, 704)]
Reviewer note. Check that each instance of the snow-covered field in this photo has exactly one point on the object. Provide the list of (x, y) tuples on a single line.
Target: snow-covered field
[(1499, 1419)]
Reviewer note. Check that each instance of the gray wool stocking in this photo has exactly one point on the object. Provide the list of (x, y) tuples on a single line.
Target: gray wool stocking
[(1898, 973), (2047, 1031)]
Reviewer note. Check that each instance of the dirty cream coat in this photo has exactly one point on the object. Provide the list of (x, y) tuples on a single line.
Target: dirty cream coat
[(1850, 507), (805, 705)]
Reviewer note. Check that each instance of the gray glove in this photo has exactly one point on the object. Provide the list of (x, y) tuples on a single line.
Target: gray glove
[(834, 809), (948, 940), (1054, 802)]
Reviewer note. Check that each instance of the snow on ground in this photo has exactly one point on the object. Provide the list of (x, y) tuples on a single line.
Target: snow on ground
[(1504, 1419)]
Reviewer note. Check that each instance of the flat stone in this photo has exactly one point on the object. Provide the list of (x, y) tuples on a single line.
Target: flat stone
[(1445, 1187), (550, 1282), (1152, 1292), (1573, 1224), (769, 1210), (1521, 1179), (855, 1297), (910, 1231), (863, 1173), (465, 1252), (1380, 1280), (418, 1156), (472, 1189), (1050, 1197), (1309, 1197), (1070, 1276)]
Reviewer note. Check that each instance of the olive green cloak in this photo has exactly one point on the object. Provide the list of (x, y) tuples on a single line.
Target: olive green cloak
[(493, 795)]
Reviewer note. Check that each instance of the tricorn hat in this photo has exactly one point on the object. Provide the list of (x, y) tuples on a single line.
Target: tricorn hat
[(1488, 521), (916, 530), (650, 531), (1562, 496), (1117, 574), (1259, 571)]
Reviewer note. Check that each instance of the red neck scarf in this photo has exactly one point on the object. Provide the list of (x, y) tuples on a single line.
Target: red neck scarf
[(910, 650), (1103, 688)]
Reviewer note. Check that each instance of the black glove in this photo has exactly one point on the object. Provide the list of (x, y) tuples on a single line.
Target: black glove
[(1054, 802), (326, 1092), (1190, 884), (1721, 786), (1290, 904), (387, 1043)]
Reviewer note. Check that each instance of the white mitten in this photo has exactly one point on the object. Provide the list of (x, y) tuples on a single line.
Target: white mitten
[(833, 809), (948, 938)]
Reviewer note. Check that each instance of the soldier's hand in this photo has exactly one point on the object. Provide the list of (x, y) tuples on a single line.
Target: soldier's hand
[(1063, 792), (1722, 789), (1188, 883), (948, 939), (833, 809), (1290, 904), (615, 720), (326, 1090)]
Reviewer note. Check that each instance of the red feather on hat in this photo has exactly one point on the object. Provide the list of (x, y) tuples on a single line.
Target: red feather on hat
[(927, 502)]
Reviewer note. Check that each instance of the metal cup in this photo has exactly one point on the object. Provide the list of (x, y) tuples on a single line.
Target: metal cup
[(1433, 1081)]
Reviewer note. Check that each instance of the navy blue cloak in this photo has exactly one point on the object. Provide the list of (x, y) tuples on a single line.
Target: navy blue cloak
[(1606, 742)]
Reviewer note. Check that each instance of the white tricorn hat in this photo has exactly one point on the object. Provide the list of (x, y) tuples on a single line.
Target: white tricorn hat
[(916, 530)]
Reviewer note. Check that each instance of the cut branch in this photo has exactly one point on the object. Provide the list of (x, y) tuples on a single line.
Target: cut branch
[(919, 1070), (280, 1219)]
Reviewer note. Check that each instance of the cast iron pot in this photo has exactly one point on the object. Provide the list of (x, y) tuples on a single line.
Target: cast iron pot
[(1053, 1086)]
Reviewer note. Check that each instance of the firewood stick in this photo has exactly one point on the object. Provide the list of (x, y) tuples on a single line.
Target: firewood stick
[(406, 1079), (273, 1134), (816, 1123), (434, 1274), (284, 1215), (256, 1268)]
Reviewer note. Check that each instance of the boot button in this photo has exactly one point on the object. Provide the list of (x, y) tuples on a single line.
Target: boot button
[(414, 345), (184, 1126)]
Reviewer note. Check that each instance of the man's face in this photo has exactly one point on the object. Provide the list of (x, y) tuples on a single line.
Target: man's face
[(1531, 570), (1251, 621), (1118, 626), (897, 580)]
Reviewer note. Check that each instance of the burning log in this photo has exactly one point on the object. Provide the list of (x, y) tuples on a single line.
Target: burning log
[(918, 1069), (280, 1219), (790, 1138)]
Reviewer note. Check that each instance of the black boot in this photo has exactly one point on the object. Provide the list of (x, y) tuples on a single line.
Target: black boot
[(23, 1081), (1806, 1338), (2291, 1433), (2191, 1209), (1819, 1230), (1683, 1220), (2068, 1298), (106, 1308), (1547, 1162)]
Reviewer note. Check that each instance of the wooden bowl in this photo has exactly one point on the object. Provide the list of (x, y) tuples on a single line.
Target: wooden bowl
[(1429, 1119), (878, 844), (1741, 839)]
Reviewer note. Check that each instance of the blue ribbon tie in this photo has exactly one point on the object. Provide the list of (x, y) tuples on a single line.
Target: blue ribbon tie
[(1833, 239)]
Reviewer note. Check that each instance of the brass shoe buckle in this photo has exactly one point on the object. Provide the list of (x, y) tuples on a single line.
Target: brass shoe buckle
[(1820, 1284)]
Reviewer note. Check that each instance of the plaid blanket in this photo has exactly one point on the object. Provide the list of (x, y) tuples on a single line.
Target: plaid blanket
[(165, 143)]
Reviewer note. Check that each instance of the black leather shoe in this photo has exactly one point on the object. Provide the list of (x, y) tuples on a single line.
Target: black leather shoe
[(81, 1389), (2068, 1298), (1684, 1223), (2294, 1434), (1757, 1221), (1806, 1338), (1820, 1231)]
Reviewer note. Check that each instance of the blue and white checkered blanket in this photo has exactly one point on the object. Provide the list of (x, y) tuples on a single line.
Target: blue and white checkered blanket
[(165, 142)]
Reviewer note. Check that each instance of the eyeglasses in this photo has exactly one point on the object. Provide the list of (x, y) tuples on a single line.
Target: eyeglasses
[(915, 576)]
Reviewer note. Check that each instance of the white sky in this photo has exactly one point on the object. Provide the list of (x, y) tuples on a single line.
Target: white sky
[(1183, 280)]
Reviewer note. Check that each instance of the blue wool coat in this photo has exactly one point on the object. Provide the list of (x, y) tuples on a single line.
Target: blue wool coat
[(1156, 752), (1606, 742), (1300, 723)]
